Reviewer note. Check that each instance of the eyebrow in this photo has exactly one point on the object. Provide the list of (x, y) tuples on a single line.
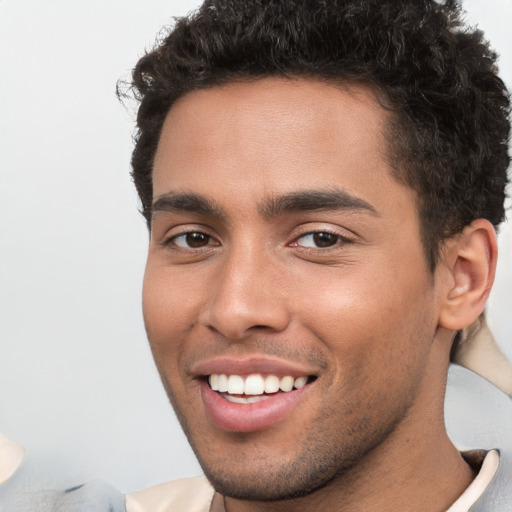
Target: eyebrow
[(186, 202), (315, 200), (294, 202)]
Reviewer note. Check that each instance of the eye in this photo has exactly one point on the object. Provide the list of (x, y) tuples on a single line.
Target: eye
[(319, 240), (191, 240)]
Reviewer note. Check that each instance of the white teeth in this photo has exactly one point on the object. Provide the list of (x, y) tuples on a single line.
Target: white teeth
[(223, 383), (243, 400), (271, 384), (236, 385), (286, 383), (254, 385), (300, 382), (214, 382)]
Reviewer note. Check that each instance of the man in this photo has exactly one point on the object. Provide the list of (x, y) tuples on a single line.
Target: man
[(322, 182)]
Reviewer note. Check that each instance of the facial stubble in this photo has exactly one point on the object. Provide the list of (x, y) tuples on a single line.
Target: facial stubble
[(316, 462)]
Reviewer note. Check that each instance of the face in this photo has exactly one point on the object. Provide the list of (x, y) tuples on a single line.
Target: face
[(287, 297)]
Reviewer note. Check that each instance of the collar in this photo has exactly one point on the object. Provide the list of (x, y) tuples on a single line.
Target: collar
[(486, 463)]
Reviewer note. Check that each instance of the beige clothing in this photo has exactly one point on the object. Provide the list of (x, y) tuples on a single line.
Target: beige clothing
[(184, 495), (197, 495), (11, 456)]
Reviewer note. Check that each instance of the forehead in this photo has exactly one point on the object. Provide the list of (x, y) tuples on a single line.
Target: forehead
[(273, 136)]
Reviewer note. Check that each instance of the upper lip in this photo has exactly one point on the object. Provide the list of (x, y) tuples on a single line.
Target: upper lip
[(250, 365)]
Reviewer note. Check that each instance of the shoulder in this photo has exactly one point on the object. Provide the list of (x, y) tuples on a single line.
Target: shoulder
[(498, 494), (96, 496), (24, 486), (184, 495)]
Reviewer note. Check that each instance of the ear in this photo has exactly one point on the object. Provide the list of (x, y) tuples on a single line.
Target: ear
[(468, 274)]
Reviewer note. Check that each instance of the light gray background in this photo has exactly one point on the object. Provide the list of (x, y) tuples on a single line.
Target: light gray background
[(77, 384)]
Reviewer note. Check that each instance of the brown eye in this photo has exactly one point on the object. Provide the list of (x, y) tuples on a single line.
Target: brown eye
[(193, 240), (318, 240), (325, 239)]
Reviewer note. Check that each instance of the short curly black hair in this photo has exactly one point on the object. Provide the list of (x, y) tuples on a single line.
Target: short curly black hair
[(450, 112)]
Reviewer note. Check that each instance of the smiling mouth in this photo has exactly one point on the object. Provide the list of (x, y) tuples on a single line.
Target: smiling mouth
[(255, 387)]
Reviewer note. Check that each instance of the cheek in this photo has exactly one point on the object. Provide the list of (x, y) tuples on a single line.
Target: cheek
[(167, 314), (349, 301), (369, 320)]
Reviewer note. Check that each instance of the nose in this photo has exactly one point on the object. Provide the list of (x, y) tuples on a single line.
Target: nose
[(247, 295)]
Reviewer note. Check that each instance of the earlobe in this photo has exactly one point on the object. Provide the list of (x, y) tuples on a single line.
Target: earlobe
[(470, 264)]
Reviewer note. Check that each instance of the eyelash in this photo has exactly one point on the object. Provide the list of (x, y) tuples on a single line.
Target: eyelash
[(172, 240), (340, 239)]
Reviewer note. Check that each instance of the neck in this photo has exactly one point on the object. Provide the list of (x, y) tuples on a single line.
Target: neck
[(415, 468)]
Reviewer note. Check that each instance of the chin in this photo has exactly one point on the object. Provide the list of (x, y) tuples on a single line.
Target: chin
[(274, 477), (271, 487)]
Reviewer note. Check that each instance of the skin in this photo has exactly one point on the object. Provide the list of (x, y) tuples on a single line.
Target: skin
[(363, 313)]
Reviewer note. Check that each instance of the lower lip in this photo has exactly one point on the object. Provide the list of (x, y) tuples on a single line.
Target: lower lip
[(250, 417)]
